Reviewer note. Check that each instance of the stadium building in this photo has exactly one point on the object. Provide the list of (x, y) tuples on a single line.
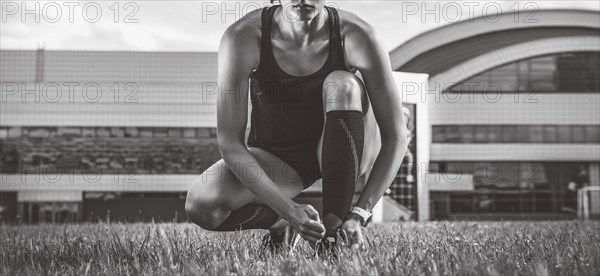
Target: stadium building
[(92, 135), (513, 112), (505, 122)]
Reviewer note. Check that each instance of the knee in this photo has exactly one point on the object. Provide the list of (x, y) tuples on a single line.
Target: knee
[(204, 211), (342, 90)]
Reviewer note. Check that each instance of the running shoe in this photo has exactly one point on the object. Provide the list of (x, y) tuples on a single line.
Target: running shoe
[(331, 245), (281, 242)]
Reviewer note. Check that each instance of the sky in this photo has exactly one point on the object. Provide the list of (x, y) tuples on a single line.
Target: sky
[(197, 26)]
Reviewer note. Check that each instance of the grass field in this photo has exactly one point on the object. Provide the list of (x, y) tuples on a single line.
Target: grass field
[(475, 248)]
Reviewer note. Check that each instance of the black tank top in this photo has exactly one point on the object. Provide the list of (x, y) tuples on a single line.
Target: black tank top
[(287, 111)]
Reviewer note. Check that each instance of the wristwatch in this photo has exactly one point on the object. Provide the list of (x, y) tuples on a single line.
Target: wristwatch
[(365, 217)]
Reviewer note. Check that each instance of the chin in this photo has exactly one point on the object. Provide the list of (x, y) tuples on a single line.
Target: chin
[(307, 16)]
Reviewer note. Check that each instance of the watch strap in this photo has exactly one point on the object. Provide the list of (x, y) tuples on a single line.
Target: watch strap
[(363, 214)]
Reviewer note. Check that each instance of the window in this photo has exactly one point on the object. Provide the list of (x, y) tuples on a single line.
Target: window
[(578, 72), (160, 132), (466, 134), (458, 168), (452, 134), (131, 132), (213, 132), (204, 132), (189, 132), (88, 132), (14, 132), (103, 132), (495, 134), (69, 131), (438, 134), (592, 134), (146, 132), (114, 150), (564, 72), (117, 132), (536, 134), (564, 134), (174, 132), (481, 134), (578, 134), (41, 131), (550, 134), (434, 167), (522, 134), (519, 187), (509, 134)]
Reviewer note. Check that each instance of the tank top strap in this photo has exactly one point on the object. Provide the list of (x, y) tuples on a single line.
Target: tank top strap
[(267, 22), (335, 37)]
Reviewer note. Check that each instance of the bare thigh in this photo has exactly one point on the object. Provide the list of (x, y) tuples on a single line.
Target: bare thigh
[(219, 186)]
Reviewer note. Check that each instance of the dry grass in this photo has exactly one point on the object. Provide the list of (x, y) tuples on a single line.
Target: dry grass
[(463, 248)]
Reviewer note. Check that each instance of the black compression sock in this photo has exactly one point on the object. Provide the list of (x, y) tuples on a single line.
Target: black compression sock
[(251, 216), (341, 157)]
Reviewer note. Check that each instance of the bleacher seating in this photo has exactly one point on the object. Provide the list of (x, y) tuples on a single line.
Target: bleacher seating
[(111, 150)]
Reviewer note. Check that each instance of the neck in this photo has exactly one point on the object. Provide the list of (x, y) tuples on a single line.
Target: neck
[(300, 31)]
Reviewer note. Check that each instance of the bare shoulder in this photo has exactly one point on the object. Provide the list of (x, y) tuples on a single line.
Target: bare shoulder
[(246, 27), (354, 28), (242, 38), (361, 41)]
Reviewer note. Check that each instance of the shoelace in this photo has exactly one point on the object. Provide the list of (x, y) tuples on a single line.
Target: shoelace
[(270, 245), (267, 243), (329, 245)]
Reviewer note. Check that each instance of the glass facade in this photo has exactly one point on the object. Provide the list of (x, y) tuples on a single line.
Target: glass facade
[(120, 150), (134, 206), (50, 212), (537, 134), (565, 72), (512, 187)]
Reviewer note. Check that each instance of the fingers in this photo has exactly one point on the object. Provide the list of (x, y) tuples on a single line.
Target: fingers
[(357, 237), (354, 237), (312, 212), (315, 226), (310, 235), (314, 223), (309, 225), (312, 231)]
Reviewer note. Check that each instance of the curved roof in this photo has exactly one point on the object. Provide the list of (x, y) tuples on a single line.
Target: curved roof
[(492, 59), (440, 49)]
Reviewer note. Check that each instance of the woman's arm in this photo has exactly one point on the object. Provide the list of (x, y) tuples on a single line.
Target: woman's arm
[(239, 54), (365, 52), (237, 59)]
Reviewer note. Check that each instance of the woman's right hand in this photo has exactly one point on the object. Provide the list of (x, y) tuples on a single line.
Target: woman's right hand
[(305, 220)]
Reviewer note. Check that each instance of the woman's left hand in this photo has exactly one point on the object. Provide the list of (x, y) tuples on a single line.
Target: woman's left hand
[(353, 231)]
